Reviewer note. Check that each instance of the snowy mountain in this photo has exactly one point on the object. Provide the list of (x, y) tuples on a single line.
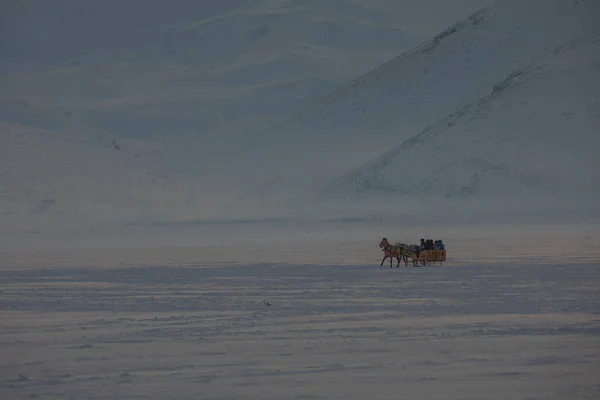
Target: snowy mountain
[(126, 110), (165, 119), (193, 68), (500, 109), (58, 173), (53, 179)]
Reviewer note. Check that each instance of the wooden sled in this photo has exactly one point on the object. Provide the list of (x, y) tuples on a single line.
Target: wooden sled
[(430, 257)]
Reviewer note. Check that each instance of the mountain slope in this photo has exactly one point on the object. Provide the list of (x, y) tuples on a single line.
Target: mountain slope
[(49, 179), (532, 139), (461, 64), (189, 67), (123, 110), (493, 69), (57, 173)]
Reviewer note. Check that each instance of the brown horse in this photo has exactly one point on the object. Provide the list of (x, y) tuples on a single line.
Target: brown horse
[(392, 251)]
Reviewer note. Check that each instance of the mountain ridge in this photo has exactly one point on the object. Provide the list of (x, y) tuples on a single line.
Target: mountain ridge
[(560, 27), (519, 177)]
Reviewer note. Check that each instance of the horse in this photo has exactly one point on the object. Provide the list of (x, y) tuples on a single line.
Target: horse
[(398, 251)]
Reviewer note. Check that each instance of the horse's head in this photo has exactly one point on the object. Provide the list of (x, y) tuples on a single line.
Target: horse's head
[(384, 243)]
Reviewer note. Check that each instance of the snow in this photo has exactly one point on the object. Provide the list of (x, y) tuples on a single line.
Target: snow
[(45, 175), (542, 156), (197, 68), (180, 91), (500, 107), (544, 100), (470, 122), (490, 328), (191, 199)]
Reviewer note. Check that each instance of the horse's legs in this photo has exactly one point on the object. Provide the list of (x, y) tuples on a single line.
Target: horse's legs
[(391, 261), (384, 257), (398, 258)]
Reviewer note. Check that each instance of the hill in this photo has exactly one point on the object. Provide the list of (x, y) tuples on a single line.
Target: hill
[(191, 68), (501, 105), (134, 110)]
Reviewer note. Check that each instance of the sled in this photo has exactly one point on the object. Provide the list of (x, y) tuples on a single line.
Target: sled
[(430, 257)]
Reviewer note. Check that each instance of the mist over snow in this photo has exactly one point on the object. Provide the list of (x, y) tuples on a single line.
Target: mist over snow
[(146, 112), (143, 68), (192, 194)]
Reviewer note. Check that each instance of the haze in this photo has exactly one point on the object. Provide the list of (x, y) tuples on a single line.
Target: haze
[(192, 194)]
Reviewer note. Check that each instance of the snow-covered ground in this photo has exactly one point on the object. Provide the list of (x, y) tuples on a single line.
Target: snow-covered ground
[(302, 332), (310, 315)]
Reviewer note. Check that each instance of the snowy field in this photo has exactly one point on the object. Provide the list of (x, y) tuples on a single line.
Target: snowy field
[(526, 327)]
